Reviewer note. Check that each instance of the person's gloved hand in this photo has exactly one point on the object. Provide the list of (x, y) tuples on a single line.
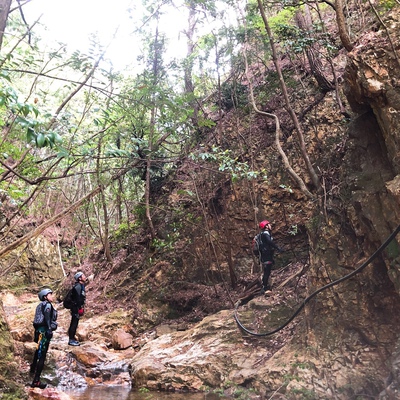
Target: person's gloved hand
[(81, 311), (48, 334)]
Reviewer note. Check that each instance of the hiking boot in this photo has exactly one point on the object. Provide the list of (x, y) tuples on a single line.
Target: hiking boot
[(73, 342), (38, 384)]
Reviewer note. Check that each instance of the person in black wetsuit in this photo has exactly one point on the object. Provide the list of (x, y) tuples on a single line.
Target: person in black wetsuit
[(78, 306), (267, 250), (45, 322)]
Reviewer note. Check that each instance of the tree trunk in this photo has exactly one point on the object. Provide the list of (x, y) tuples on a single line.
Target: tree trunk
[(118, 202), (189, 85), (313, 53), (313, 175), (4, 11), (105, 239), (341, 23), (152, 129), (232, 272)]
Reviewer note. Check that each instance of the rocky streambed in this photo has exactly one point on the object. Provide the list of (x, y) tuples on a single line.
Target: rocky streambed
[(212, 356)]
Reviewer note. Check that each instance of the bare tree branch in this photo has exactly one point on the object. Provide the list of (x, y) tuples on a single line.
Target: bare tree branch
[(32, 234)]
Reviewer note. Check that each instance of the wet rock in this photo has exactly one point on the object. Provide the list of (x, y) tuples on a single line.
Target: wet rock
[(121, 340), (47, 394), (88, 356), (164, 329)]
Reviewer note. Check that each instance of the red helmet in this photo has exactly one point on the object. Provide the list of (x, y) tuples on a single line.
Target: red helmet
[(263, 224)]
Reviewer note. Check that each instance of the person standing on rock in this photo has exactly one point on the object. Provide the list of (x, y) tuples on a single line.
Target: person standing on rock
[(267, 249), (44, 322), (78, 298)]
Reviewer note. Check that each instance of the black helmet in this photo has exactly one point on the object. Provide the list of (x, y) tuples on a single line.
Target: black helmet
[(43, 293), (78, 275)]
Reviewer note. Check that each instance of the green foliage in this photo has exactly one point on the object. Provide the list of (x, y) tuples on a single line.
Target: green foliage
[(140, 212), (296, 40), (270, 89), (9, 99), (206, 122), (282, 18), (233, 94), (165, 244), (294, 230), (117, 153), (123, 231), (81, 62), (23, 112), (253, 16), (387, 4), (293, 37), (15, 190), (40, 138), (228, 163)]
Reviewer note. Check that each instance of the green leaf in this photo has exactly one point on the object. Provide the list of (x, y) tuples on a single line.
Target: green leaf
[(40, 140), (25, 109), (23, 122), (57, 138), (30, 135), (5, 75), (63, 153), (35, 111)]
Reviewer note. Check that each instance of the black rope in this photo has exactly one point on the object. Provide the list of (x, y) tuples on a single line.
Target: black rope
[(348, 276)]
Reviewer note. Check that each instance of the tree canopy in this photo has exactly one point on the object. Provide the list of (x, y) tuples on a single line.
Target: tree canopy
[(78, 135)]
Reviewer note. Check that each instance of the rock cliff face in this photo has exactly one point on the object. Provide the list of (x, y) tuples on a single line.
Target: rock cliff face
[(362, 312), (40, 263), (348, 343)]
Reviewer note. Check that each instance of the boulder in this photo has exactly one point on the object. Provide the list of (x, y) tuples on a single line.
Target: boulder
[(121, 340)]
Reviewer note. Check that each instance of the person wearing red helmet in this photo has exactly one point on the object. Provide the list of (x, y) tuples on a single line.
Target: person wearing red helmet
[(267, 249)]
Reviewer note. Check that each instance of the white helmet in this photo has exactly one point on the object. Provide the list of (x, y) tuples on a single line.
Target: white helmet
[(78, 275)]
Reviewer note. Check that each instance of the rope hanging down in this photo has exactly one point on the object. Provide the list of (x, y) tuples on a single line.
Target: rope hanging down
[(348, 276)]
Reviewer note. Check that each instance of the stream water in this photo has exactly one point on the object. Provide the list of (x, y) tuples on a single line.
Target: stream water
[(123, 393)]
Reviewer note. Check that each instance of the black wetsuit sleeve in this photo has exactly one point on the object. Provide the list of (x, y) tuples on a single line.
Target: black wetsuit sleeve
[(266, 239), (78, 295)]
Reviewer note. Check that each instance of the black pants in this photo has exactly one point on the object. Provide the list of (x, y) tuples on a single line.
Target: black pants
[(267, 268), (40, 354), (73, 326)]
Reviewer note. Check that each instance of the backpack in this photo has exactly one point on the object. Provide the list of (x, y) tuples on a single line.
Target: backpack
[(257, 245), (67, 302), (38, 319)]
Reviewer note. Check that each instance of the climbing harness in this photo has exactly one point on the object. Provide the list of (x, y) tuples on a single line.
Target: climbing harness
[(329, 285)]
